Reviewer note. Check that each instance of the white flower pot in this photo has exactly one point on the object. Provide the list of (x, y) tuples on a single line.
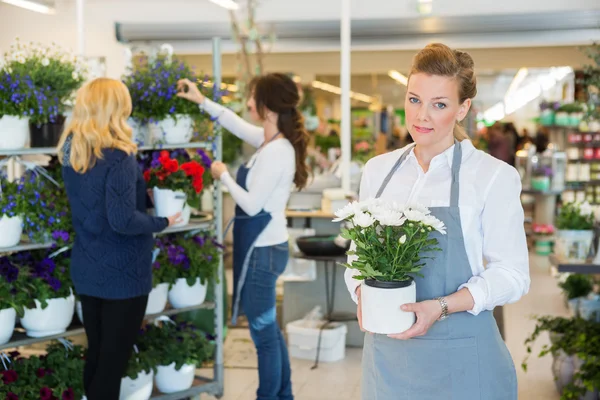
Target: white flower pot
[(8, 318), (590, 309), (140, 132), (171, 130), (12, 229), (168, 380), (14, 132), (53, 320), (168, 202), (79, 311), (157, 300), (573, 245), (137, 389), (381, 311), (181, 295)]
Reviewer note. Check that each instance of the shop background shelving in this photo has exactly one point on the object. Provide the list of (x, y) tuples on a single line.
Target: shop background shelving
[(215, 385)]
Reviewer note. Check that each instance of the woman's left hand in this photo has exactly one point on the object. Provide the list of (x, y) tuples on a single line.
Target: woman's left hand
[(217, 169), (427, 312)]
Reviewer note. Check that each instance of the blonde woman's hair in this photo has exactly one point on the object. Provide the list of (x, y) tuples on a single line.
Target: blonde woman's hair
[(99, 122), (440, 60)]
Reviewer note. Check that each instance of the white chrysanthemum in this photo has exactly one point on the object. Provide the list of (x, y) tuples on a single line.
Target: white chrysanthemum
[(586, 209), (402, 240), (45, 62), (363, 220), (75, 75), (391, 218), (435, 223), (414, 215), (348, 211), (420, 208)]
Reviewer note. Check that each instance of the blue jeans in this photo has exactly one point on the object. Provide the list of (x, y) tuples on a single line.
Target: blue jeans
[(258, 303)]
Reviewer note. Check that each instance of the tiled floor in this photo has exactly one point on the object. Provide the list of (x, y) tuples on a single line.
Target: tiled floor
[(342, 380)]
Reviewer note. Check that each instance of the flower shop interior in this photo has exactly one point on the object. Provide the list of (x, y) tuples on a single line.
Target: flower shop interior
[(537, 108)]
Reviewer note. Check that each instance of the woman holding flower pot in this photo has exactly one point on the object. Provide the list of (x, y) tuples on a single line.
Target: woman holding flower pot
[(261, 191), (454, 349), (112, 254)]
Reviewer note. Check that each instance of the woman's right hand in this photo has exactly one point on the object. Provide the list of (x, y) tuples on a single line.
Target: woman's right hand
[(175, 219), (192, 94)]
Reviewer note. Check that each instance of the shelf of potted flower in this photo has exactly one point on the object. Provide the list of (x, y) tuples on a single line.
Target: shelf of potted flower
[(574, 236), (180, 349), (14, 296), (157, 300), (55, 75), (52, 302), (189, 262), (544, 238), (13, 208), (547, 112), (390, 243), (18, 101), (173, 184), (138, 382), (541, 178), (153, 88)]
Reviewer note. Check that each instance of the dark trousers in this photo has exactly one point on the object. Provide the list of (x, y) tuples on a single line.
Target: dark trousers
[(111, 327)]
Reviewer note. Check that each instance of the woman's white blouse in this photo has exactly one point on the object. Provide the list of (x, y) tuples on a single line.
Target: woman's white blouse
[(491, 215)]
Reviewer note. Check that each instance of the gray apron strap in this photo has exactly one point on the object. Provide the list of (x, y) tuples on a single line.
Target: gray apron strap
[(456, 161)]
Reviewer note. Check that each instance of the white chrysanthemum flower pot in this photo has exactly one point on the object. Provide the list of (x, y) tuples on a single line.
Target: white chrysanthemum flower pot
[(168, 203), (12, 229), (137, 389), (53, 320), (14, 132), (157, 300), (8, 318), (169, 380), (182, 295), (381, 302), (176, 130)]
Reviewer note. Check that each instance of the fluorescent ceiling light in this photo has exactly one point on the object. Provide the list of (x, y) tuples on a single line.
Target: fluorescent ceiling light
[(228, 4), (398, 77), (516, 82), (337, 90), (425, 7), (31, 6)]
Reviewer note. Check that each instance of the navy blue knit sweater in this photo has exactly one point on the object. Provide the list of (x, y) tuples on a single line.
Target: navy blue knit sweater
[(112, 254)]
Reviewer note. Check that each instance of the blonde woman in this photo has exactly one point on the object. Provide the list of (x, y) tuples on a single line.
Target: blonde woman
[(112, 254)]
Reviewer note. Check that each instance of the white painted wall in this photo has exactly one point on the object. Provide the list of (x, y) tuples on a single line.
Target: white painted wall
[(101, 15)]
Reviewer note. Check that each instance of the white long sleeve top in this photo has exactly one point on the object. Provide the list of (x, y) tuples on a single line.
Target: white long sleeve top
[(271, 175), (491, 215)]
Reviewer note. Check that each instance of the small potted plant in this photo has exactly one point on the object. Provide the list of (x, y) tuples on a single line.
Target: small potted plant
[(173, 184), (391, 245), (18, 101), (56, 74), (138, 382), (180, 349), (14, 296), (52, 303), (544, 234), (575, 288), (541, 178), (13, 207), (157, 300), (575, 223), (362, 152), (189, 263), (153, 88)]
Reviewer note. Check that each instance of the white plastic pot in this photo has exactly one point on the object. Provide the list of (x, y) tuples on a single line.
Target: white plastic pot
[(137, 389), (168, 380), (140, 132), (79, 311), (168, 203), (12, 229), (181, 295), (8, 318), (157, 300), (53, 320), (176, 130), (573, 245), (589, 309), (381, 311), (14, 132)]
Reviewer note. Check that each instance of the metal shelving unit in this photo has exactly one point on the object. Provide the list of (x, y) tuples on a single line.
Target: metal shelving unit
[(215, 385), (564, 266)]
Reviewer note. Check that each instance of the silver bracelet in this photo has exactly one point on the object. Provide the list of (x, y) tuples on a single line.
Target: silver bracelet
[(444, 306)]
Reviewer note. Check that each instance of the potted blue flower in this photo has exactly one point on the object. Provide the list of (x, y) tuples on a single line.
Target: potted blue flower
[(14, 296)]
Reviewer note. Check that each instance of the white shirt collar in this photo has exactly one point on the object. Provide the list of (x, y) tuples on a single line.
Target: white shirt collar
[(448, 155)]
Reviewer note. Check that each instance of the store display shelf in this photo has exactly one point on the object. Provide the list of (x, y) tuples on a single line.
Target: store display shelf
[(21, 339), (196, 223), (25, 247), (201, 385), (541, 193), (53, 150), (564, 266)]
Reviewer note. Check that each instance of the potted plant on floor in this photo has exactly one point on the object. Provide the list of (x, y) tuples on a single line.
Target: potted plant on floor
[(173, 184), (138, 382), (191, 262), (13, 298), (52, 303), (391, 243), (153, 88), (575, 223), (180, 349), (54, 72)]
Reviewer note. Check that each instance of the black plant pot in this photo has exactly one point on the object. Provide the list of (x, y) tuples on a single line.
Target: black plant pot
[(388, 285), (320, 246), (46, 135)]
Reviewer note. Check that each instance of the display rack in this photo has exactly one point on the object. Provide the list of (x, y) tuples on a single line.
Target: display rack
[(214, 385), (565, 266)]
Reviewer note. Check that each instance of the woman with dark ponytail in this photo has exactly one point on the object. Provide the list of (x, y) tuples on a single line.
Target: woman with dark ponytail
[(261, 191)]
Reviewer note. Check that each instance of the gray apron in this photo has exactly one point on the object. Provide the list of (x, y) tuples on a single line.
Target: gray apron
[(460, 358)]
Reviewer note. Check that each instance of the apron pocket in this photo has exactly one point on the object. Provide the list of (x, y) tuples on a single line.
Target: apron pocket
[(443, 369)]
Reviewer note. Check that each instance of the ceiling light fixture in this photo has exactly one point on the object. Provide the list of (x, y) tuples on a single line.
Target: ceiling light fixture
[(425, 7), (31, 6), (398, 77), (337, 90), (516, 82), (228, 4)]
